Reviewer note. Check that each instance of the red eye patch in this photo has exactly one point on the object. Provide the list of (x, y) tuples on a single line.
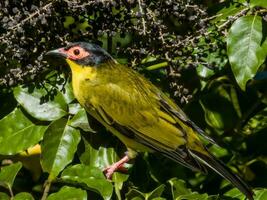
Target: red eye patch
[(76, 53)]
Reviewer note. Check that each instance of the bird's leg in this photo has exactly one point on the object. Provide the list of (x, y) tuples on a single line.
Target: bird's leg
[(116, 166)]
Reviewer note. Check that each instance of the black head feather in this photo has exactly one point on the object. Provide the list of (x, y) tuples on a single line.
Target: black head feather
[(97, 55)]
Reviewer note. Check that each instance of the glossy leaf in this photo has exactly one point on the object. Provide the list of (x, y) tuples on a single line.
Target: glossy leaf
[(18, 133), (68, 193), (256, 123), (236, 194), (66, 90), (58, 147), (80, 120), (178, 188), (220, 113), (204, 72), (155, 194), (23, 196), (244, 48), (4, 196), (8, 174), (74, 108), (92, 177), (261, 194), (223, 14), (48, 110), (260, 3), (180, 191), (98, 153)]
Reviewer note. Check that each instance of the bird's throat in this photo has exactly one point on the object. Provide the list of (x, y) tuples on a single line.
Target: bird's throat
[(81, 78), (84, 72)]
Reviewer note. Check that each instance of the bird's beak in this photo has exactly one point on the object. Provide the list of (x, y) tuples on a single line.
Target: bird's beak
[(57, 53)]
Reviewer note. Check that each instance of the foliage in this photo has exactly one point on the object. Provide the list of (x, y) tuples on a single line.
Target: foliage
[(209, 56)]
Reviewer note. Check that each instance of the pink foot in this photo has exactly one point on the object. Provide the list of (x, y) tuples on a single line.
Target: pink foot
[(117, 166)]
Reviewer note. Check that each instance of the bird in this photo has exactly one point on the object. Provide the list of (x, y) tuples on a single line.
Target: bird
[(138, 113)]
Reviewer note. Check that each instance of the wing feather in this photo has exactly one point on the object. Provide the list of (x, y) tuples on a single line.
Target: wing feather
[(133, 108)]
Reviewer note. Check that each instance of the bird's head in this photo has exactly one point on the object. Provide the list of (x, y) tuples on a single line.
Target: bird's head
[(82, 53)]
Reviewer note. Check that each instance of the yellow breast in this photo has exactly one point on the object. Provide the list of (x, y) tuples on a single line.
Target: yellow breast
[(81, 78)]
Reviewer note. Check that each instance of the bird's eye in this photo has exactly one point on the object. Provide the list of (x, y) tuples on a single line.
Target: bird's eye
[(76, 52)]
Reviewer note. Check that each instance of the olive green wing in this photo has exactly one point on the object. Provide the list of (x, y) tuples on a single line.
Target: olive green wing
[(172, 109), (137, 114)]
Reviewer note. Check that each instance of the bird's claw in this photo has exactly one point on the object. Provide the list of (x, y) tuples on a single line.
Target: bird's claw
[(118, 166)]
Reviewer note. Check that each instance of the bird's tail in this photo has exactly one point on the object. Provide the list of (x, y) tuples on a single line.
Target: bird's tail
[(220, 168)]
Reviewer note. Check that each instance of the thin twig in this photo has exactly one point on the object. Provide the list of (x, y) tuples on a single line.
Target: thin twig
[(30, 16), (242, 12), (142, 13), (154, 20), (211, 17), (14, 28), (195, 6), (85, 4)]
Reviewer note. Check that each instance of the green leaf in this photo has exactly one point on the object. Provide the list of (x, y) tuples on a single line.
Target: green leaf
[(68, 193), (18, 133), (220, 110), (49, 110), (181, 192), (155, 194), (178, 188), (261, 194), (80, 120), (58, 147), (8, 174), (74, 108), (244, 48), (99, 153), (256, 124), (226, 11), (235, 194), (260, 3), (4, 196), (23, 196), (92, 177), (204, 72), (134, 194), (66, 90)]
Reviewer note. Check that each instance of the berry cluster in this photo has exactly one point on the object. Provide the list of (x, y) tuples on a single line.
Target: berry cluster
[(132, 29)]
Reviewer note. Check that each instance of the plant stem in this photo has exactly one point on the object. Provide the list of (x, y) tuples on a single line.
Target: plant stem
[(46, 189), (11, 192)]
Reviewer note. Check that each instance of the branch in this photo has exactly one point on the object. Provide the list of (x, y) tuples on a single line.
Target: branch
[(242, 12), (47, 188), (142, 13), (85, 4), (14, 28), (30, 16)]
